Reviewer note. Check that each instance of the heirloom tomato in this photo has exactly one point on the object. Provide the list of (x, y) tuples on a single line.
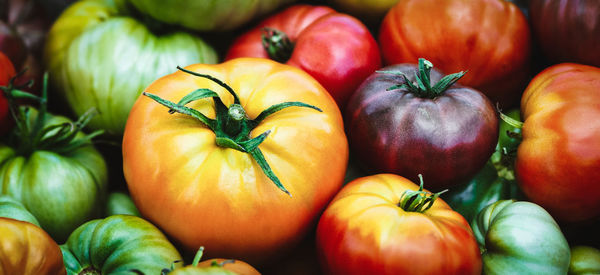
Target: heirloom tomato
[(26, 249), (584, 260), (489, 38), (120, 203), (100, 55), (214, 267), (567, 30), (518, 237), (49, 165), (442, 130), (558, 161), (334, 48), (118, 244), (7, 71), (11, 208), (218, 172), (207, 15), (386, 224)]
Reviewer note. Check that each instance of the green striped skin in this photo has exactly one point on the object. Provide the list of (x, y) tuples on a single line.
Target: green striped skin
[(13, 209)]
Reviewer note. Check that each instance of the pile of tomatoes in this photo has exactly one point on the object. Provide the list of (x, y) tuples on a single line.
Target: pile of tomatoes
[(299, 137)]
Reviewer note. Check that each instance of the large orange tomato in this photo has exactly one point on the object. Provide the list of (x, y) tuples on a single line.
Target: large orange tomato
[(386, 224), (27, 249), (489, 38), (558, 161), (209, 181)]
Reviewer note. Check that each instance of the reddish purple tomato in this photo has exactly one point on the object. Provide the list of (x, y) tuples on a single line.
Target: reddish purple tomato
[(334, 48), (444, 131), (567, 30)]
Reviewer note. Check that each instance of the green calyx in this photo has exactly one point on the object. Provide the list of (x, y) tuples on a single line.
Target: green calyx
[(231, 125), (277, 44), (418, 201), (423, 88), (30, 134)]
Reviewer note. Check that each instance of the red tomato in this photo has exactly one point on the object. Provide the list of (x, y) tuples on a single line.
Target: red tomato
[(365, 231), (6, 72), (558, 161), (334, 48), (489, 38)]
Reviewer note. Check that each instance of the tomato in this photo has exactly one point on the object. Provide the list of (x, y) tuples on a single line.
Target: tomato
[(13, 209), (446, 132), (559, 157), (335, 48), (567, 30), (368, 229), (584, 260), (370, 11), (489, 38), (7, 71), (518, 237), (117, 245), (214, 267), (100, 56), (50, 166), (204, 188), (120, 203), (27, 249), (208, 15)]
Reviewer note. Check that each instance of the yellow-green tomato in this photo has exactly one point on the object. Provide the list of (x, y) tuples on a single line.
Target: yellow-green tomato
[(584, 260)]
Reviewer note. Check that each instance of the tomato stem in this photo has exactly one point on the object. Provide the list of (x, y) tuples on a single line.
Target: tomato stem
[(418, 201), (231, 125), (422, 88), (198, 256), (277, 44)]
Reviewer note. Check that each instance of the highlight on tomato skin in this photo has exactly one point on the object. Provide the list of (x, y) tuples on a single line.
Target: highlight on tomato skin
[(386, 224)]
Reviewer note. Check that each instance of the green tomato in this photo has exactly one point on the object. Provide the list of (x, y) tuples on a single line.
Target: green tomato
[(121, 203), (13, 209), (118, 244), (61, 189), (99, 55), (518, 237), (207, 15), (584, 260)]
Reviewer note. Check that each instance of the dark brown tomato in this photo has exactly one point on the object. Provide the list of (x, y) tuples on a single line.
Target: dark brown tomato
[(447, 138)]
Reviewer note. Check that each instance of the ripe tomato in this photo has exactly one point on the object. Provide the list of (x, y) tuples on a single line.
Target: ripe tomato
[(335, 48), (489, 38), (201, 193), (6, 72), (27, 249), (558, 161), (567, 30), (365, 230)]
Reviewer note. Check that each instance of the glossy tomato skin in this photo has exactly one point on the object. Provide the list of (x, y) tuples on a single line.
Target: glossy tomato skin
[(489, 38), (27, 249), (364, 231), (448, 139), (205, 195), (223, 267), (559, 156), (334, 48), (6, 72), (567, 30)]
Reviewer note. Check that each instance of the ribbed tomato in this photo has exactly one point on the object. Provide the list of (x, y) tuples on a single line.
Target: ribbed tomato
[(489, 38), (558, 161), (209, 178), (381, 224)]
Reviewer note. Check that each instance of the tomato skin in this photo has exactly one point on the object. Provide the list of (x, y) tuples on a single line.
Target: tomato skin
[(364, 231), (489, 38), (560, 152), (6, 72), (229, 267), (567, 30), (334, 48), (27, 249), (203, 195), (447, 139)]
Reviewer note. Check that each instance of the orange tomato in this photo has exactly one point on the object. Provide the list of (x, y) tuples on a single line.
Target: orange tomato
[(26, 249), (558, 161), (489, 38), (202, 194)]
